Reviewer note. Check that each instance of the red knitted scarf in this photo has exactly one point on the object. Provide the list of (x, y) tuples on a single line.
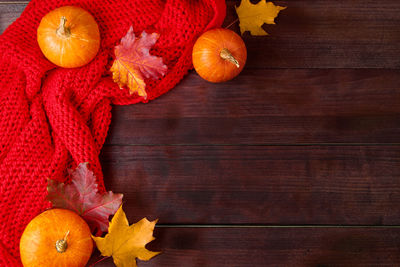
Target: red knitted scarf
[(54, 118)]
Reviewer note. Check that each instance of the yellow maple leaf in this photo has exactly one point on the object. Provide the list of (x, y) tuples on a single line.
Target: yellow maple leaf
[(253, 16), (126, 243), (133, 62)]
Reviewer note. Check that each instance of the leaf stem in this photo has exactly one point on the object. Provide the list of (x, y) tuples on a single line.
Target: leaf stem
[(102, 259), (236, 20)]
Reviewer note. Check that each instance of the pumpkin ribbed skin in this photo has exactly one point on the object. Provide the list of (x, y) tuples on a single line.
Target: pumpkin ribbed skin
[(73, 45), (207, 59), (38, 242)]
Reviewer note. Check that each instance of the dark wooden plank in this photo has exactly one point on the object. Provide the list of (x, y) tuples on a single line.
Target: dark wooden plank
[(315, 34), (9, 13), (220, 247), (328, 34), (354, 185), (269, 106)]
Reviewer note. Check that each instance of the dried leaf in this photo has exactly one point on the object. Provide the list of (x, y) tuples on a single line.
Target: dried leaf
[(133, 62), (126, 243), (253, 16), (83, 197)]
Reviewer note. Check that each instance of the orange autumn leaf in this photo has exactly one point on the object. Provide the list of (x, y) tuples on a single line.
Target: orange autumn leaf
[(133, 62), (253, 16), (126, 243)]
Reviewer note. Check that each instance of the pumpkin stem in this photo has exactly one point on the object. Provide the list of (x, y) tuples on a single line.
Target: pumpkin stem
[(62, 30), (62, 245), (225, 54)]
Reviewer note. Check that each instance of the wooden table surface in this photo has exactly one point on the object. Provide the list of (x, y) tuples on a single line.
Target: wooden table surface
[(296, 162)]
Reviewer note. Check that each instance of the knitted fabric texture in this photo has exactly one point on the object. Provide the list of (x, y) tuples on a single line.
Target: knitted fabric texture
[(53, 118)]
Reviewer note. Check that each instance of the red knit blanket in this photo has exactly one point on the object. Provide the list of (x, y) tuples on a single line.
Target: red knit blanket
[(54, 118)]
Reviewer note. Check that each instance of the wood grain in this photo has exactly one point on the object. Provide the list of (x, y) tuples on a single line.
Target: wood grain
[(261, 247), (269, 106), (314, 34), (327, 34), (9, 13), (345, 185)]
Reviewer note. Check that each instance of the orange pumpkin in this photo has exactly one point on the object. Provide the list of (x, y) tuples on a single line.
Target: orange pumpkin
[(56, 237), (219, 55), (69, 36)]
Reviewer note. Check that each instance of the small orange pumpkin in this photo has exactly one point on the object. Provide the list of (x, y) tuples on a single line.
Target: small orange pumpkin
[(69, 36), (56, 237), (219, 55)]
